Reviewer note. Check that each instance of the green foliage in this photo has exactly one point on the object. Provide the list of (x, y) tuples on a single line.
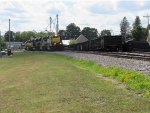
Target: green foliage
[(6, 36), (2, 43), (18, 37), (43, 82), (41, 34), (138, 32), (90, 33), (62, 34), (125, 28), (137, 22), (148, 27), (132, 79), (24, 36), (72, 31), (105, 33), (72, 41)]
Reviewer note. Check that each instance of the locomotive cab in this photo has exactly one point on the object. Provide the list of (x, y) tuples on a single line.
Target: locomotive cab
[(56, 42)]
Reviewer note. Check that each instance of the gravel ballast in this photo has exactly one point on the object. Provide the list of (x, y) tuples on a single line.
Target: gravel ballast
[(137, 65)]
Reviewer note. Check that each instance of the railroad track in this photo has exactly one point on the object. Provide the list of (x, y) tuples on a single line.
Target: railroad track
[(129, 55)]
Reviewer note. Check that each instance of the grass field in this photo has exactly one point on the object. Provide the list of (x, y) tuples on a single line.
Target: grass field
[(38, 82)]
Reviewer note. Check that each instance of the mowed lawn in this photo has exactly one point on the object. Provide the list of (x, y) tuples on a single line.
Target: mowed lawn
[(40, 82)]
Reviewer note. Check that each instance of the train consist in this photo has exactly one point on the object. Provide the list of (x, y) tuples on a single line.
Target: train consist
[(52, 42), (113, 43), (45, 44), (105, 43)]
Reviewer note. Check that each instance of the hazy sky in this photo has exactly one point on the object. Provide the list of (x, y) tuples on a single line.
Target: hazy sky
[(101, 14)]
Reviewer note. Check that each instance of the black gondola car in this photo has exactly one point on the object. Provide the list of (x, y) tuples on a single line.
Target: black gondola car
[(105, 43), (112, 43)]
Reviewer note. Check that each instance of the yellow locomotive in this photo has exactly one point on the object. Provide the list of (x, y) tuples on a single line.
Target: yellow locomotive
[(52, 42), (28, 45), (47, 43), (56, 42)]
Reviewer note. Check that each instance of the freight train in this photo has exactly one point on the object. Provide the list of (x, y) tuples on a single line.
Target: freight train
[(44, 44), (105, 43), (52, 42), (113, 43)]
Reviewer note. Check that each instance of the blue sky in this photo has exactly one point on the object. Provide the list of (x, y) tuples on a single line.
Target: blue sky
[(101, 14)]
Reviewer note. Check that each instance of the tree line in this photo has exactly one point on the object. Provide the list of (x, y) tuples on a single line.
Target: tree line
[(23, 36), (137, 33), (72, 32)]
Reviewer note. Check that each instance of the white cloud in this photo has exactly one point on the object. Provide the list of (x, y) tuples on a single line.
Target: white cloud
[(34, 15)]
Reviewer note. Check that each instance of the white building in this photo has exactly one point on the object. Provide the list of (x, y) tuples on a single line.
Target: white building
[(15, 45), (65, 42)]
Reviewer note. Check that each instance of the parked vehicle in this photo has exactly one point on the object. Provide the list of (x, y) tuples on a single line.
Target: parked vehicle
[(3, 53)]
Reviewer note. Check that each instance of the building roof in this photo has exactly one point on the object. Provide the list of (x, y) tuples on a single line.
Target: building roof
[(81, 39), (148, 38)]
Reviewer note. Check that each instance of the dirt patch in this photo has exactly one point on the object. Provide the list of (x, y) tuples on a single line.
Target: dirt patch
[(118, 84)]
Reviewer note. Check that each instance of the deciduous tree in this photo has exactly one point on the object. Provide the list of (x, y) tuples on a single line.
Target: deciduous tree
[(2, 43), (105, 33), (90, 33), (125, 29), (138, 32), (6, 36), (72, 31), (62, 34)]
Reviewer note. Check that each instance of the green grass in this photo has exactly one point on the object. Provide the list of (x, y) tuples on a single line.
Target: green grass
[(133, 80), (38, 82)]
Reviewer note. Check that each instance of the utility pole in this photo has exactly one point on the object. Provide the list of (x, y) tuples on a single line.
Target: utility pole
[(57, 25), (0, 40), (147, 16), (50, 24), (9, 33), (148, 38)]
